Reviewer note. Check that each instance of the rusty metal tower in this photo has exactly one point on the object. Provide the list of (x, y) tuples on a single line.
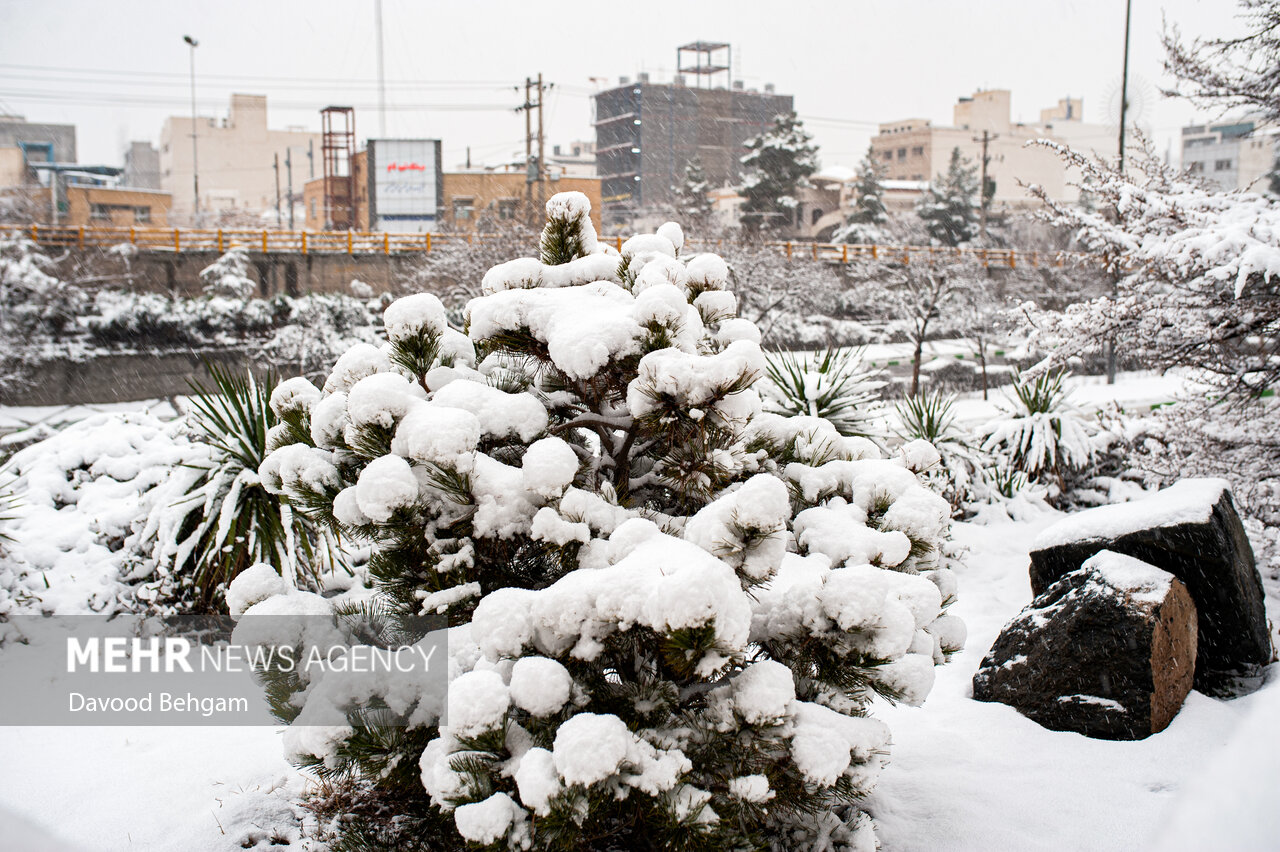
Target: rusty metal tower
[(710, 58), (338, 147)]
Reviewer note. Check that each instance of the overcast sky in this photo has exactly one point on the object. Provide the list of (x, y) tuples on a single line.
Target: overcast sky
[(115, 70)]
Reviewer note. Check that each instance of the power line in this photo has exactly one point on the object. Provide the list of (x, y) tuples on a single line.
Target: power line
[(91, 99), (169, 75)]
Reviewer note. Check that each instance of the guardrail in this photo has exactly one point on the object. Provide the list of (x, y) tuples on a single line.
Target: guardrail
[(269, 241)]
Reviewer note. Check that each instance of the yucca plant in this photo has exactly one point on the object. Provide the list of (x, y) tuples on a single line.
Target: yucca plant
[(832, 384), (1043, 436), (930, 416), (226, 521), (8, 501), (1041, 393)]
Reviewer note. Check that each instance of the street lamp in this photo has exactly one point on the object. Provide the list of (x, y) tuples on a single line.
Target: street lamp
[(195, 164)]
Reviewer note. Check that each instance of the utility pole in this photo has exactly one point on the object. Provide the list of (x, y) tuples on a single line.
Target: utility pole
[(311, 159), (542, 160), (288, 169), (1124, 81), (195, 165), (1124, 108), (276, 166), (987, 138), (535, 169)]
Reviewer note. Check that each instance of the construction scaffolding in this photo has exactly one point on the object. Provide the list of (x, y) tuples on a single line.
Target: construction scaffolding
[(338, 148)]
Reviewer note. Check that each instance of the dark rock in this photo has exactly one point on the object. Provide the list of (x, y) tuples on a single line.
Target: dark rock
[(1107, 651), (1192, 531)]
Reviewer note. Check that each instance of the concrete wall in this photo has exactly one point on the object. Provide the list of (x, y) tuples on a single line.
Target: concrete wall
[(275, 274), (122, 378), (13, 167)]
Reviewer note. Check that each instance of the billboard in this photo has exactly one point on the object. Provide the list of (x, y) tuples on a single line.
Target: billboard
[(406, 188)]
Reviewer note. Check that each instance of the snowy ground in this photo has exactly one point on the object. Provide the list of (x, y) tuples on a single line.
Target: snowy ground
[(964, 775)]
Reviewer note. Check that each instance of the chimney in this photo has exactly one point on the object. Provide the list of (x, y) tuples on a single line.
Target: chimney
[(678, 79), (737, 85), (622, 81), (642, 77), (769, 88)]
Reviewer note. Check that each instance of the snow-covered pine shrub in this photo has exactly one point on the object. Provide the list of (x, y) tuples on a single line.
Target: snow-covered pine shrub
[(217, 519), (228, 276), (832, 384), (1044, 436), (671, 611), (928, 416)]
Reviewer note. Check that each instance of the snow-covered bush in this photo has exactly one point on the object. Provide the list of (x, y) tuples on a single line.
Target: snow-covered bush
[(36, 308), (1042, 435), (832, 384), (670, 610), (317, 328), (83, 495)]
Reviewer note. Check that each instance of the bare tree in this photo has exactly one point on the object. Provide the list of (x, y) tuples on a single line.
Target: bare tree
[(1224, 73), (920, 297)]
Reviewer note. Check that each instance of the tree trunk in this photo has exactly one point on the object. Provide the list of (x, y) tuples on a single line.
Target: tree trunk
[(982, 360), (915, 366)]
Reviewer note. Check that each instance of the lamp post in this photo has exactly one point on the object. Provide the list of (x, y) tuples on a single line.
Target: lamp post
[(195, 163)]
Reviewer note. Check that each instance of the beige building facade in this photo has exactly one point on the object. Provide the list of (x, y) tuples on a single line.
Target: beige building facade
[(1231, 155), (236, 157), (917, 150)]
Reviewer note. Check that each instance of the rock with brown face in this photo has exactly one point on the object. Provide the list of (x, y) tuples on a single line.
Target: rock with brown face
[(1191, 530), (1107, 651)]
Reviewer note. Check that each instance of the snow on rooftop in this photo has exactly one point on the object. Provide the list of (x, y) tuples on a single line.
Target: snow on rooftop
[(1189, 501), (841, 174), (914, 185)]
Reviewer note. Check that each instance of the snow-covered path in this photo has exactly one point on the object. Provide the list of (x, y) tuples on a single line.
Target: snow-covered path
[(162, 788), (964, 775)]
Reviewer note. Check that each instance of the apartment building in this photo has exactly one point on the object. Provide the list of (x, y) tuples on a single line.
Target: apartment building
[(236, 157)]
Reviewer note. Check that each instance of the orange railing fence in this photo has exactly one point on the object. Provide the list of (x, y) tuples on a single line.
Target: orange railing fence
[(269, 241)]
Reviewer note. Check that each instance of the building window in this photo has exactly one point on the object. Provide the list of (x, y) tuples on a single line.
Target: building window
[(816, 215), (142, 215), (888, 156), (902, 153), (313, 209), (1196, 167), (1221, 165), (100, 212), (917, 151), (507, 209), (463, 209)]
